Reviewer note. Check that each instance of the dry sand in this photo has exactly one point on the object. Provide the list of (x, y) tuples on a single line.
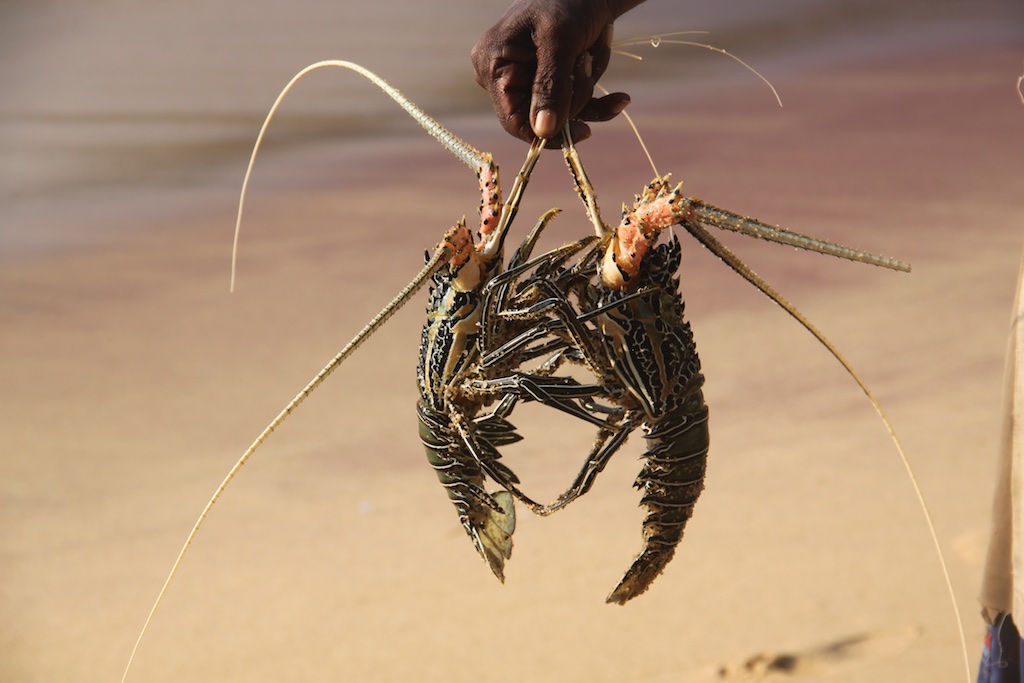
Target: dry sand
[(132, 380)]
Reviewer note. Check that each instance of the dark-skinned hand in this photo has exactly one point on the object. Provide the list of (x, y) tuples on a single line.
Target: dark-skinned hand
[(541, 61)]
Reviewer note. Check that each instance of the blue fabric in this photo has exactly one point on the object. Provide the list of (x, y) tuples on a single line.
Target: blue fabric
[(1001, 654)]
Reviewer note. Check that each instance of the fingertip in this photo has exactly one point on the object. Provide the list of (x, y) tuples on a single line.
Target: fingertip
[(619, 104), (545, 124), (605, 108)]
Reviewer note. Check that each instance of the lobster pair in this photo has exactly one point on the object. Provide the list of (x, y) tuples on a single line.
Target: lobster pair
[(609, 303)]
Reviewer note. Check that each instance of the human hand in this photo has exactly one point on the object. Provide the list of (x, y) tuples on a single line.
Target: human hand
[(541, 61)]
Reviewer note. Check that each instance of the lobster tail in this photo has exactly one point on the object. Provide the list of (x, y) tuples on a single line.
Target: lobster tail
[(672, 479), (644, 570), (493, 537), (489, 519)]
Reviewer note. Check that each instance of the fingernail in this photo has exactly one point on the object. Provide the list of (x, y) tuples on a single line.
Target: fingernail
[(544, 124), (620, 105)]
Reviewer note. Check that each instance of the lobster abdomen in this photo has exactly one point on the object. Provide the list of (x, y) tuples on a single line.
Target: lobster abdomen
[(671, 480), (488, 518)]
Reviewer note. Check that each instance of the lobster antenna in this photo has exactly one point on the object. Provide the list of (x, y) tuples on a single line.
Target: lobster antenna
[(734, 262), (1020, 90), (748, 226), (655, 41), (468, 154), (493, 244), (751, 227), (584, 188), (436, 262), (636, 131)]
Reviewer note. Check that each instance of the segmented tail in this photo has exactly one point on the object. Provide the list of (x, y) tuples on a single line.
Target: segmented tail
[(488, 518), (672, 479)]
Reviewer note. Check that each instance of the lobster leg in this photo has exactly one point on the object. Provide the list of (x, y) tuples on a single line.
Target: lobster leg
[(556, 392), (602, 452)]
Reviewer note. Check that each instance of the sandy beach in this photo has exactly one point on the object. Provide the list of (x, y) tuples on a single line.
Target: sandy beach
[(132, 381)]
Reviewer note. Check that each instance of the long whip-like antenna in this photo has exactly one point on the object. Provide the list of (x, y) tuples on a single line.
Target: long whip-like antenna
[(725, 254), (436, 262), (664, 38), (468, 154)]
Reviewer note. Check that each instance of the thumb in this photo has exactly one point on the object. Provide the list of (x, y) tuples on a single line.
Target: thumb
[(552, 88)]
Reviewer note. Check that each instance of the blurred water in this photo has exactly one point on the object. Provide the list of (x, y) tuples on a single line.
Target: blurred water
[(144, 96)]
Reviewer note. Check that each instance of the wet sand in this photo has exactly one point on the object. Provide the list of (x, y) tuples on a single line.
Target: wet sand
[(132, 381)]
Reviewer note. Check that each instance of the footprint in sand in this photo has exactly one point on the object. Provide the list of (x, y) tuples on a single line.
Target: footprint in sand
[(821, 658)]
